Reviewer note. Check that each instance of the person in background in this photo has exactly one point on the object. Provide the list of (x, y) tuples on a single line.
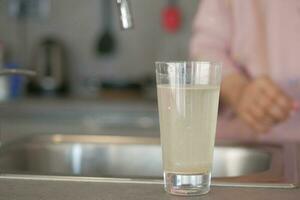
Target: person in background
[(258, 43)]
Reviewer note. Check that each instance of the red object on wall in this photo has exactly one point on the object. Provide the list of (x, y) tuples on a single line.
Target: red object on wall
[(171, 19)]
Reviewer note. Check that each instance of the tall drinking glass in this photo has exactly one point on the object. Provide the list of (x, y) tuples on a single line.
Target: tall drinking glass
[(188, 98)]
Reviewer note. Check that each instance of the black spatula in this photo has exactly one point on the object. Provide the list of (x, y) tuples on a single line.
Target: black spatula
[(106, 44)]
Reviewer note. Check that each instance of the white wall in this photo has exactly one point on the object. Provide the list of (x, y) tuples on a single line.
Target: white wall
[(78, 24)]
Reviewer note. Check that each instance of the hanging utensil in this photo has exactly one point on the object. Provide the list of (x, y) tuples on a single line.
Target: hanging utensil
[(106, 44), (171, 17)]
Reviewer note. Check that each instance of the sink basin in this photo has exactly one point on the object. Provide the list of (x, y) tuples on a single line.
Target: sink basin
[(139, 158)]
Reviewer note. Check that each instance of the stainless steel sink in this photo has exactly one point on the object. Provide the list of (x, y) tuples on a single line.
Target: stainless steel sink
[(139, 158)]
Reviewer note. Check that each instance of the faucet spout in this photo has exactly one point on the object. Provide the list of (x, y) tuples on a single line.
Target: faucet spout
[(125, 12)]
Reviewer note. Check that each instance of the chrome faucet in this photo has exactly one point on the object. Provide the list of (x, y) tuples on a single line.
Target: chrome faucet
[(125, 12)]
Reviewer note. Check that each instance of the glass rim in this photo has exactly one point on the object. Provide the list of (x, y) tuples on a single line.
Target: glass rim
[(189, 62), (214, 64)]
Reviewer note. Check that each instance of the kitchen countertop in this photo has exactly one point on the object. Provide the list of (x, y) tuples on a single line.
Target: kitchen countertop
[(15, 189), (50, 190)]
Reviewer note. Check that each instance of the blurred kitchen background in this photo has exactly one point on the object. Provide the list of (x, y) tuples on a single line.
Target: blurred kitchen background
[(94, 78)]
